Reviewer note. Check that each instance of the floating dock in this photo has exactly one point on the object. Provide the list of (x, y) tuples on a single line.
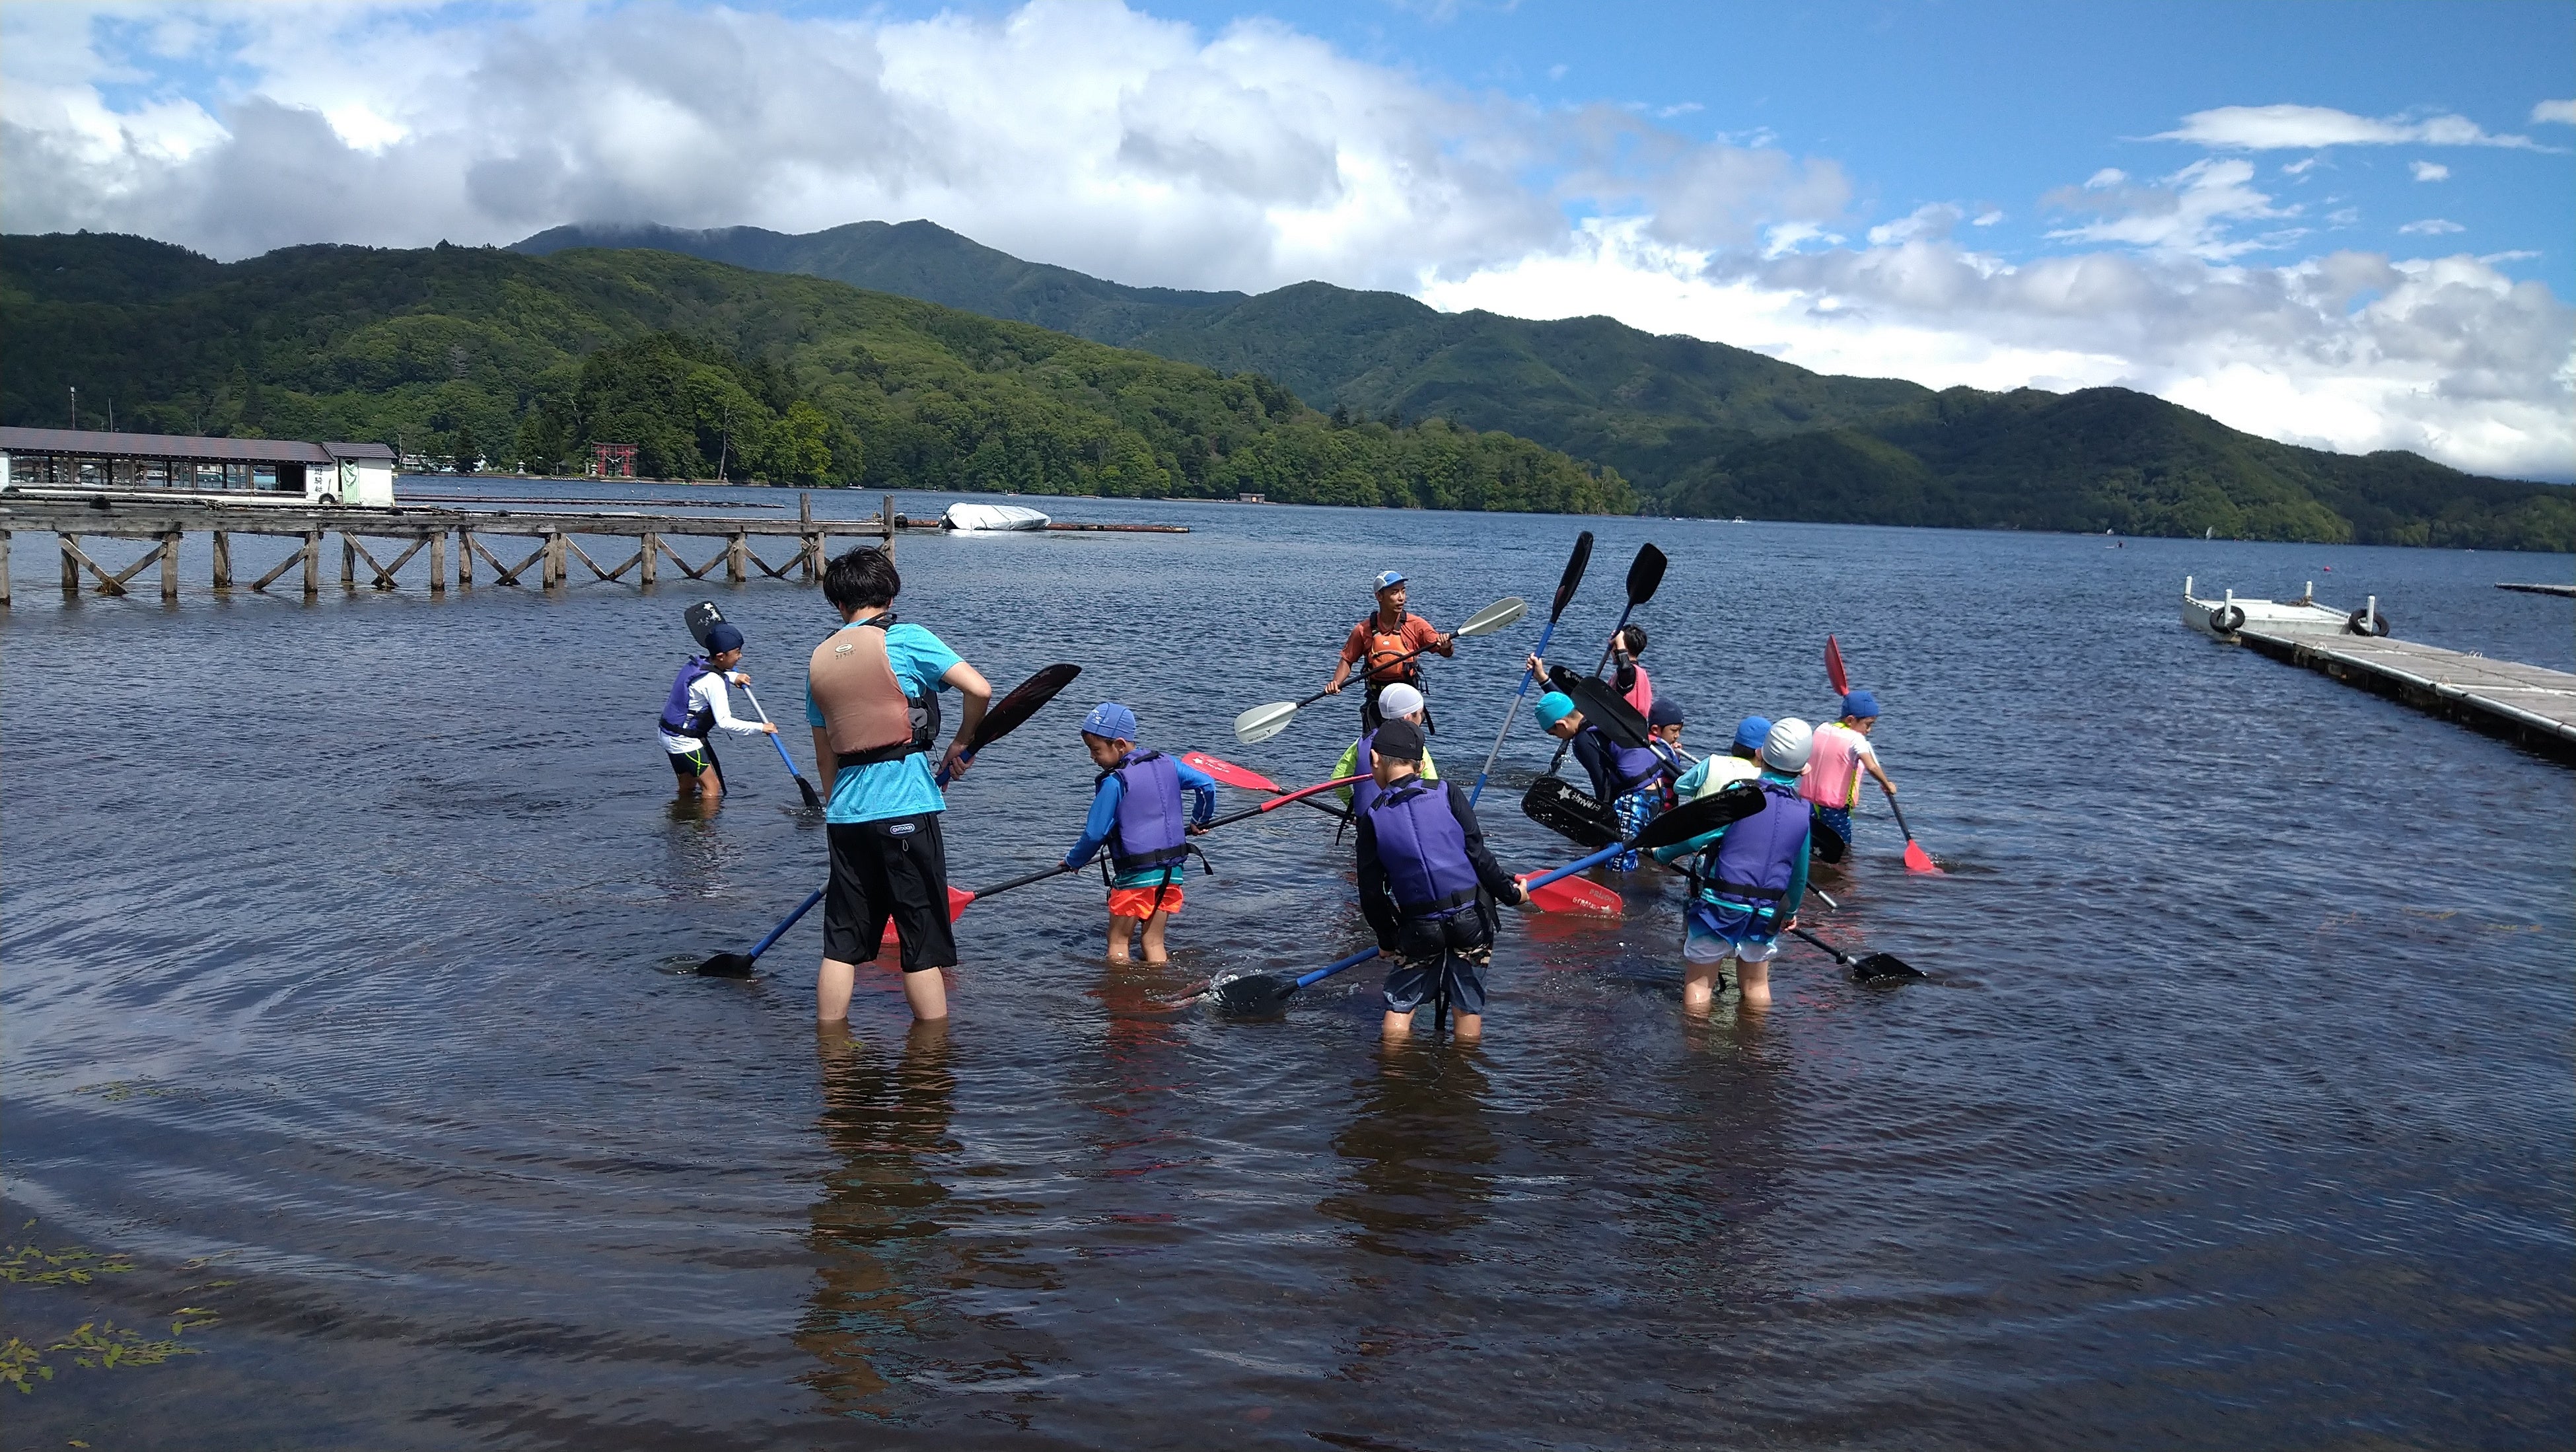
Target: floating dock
[(2568, 591), (2532, 706), (160, 522)]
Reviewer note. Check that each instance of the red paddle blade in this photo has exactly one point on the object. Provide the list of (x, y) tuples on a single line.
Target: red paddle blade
[(1834, 667), (1574, 895), (957, 900), (1918, 860), (1229, 774)]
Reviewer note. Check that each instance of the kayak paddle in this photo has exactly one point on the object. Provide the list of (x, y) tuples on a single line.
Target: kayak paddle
[(738, 965), (1916, 859), (1876, 965), (1727, 805), (1645, 576), (1263, 722), (1226, 773), (1008, 713), (1575, 564), (703, 617), (1602, 706)]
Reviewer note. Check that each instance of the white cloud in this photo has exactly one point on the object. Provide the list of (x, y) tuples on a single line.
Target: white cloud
[(2274, 128), (1084, 133), (2300, 167), (2430, 227), (2563, 112), (2431, 171)]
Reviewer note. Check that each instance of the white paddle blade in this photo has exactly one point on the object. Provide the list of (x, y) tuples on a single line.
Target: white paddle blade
[(1263, 722), (1503, 612)]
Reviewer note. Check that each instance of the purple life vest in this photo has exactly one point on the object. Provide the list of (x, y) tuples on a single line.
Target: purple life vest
[(1152, 829), (682, 716), (1363, 791), (1423, 847), (1752, 864)]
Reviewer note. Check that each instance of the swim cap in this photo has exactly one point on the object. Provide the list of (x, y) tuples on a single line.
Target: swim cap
[(722, 638), (1665, 712), (1786, 748), (1398, 700), (1398, 741), (1751, 732), (1553, 707), (1390, 578), (1860, 705), (1110, 722)]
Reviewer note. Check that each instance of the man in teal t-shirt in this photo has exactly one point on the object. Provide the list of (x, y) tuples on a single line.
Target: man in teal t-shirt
[(872, 697)]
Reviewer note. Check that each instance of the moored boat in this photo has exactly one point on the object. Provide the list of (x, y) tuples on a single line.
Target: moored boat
[(982, 517)]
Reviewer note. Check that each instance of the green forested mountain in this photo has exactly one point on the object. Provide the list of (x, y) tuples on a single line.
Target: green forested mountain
[(1702, 428), (510, 357)]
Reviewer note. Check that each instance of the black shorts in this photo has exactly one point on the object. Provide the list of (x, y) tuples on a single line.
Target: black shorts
[(895, 869), (687, 765), (1450, 953)]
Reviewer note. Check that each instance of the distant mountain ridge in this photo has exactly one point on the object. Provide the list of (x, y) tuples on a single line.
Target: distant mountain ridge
[(1700, 427)]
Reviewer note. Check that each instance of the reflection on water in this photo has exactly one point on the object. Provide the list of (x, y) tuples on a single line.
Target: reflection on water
[(2238, 1111)]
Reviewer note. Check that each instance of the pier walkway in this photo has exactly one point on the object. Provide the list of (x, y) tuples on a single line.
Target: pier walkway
[(403, 533), (2531, 705)]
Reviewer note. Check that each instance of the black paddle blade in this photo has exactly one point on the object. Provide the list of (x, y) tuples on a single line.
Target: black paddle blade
[(1645, 574), (1601, 705), (1885, 965), (1255, 995), (1575, 565), (727, 965), (1827, 844), (701, 618), (813, 798), (1564, 808), (1021, 704), (1726, 806)]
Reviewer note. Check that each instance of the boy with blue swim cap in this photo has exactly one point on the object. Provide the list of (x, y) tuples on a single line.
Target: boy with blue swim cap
[(1832, 778), (700, 704), (1136, 813)]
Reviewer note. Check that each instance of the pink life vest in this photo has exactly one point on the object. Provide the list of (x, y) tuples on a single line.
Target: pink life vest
[(1832, 777), (1640, 694)]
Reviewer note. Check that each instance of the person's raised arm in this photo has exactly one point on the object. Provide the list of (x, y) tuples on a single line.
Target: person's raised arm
[(970, 683)]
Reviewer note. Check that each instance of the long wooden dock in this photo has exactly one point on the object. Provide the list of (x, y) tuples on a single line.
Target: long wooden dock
[(2530, 705), (403, 533)]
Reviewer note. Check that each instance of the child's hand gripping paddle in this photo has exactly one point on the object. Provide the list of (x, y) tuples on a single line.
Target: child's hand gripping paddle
[(1008, 713), (1575, 564), (703, 617), (1263, 722), (1645, 576)]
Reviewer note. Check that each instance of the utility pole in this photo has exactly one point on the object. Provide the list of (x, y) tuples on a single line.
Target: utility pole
[(75, 405)]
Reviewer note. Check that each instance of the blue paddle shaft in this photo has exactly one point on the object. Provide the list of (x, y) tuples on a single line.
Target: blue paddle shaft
[(1544, 636), (772, 735), (780, 931), (945, 773), (1571, 868), (1336, 966)]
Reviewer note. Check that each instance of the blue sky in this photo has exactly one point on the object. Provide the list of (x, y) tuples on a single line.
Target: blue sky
[(2346, 225)]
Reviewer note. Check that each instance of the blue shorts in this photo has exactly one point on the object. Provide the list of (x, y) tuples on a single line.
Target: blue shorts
[(1716, 931), (1411, 979), (1836, 819)]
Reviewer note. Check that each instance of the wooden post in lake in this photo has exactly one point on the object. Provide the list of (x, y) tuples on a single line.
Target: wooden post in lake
[(652, 557), (223, 559), (170, 565), (885, 517), (737, 546), (438, 562), (4, 569), (551, 574), (464, 558), (312, 563), (71, 565), (348, 562)]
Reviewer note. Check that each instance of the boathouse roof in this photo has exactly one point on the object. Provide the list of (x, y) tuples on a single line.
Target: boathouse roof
[(91, 443)]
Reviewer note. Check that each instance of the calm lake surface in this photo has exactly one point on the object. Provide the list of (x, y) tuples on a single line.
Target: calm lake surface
[(344, 948)]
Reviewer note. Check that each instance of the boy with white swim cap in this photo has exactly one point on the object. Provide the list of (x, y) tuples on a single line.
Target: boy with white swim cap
[(1747, 879)]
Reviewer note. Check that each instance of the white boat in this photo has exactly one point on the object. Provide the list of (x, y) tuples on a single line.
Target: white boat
[(978, 517), (2228, 614)]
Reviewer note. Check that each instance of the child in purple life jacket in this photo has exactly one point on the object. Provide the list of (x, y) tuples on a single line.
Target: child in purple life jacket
[(699, 704), (1136, 813)]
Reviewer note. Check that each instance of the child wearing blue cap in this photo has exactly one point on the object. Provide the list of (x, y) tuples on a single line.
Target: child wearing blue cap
[(1832, 778), (699, 704), (1393, 643), (1136, 813)]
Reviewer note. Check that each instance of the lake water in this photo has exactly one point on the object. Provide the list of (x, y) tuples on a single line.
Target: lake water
[(342, 946)]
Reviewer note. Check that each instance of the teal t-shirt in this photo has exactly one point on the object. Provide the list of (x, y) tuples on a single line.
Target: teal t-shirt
[(893, 788)]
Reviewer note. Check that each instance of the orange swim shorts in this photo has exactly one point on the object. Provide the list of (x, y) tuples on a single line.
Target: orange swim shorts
[(1138, 902)]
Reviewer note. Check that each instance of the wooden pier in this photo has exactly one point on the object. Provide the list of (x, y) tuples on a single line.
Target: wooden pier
[(2532, 706), (404, 533), (2564, 591)]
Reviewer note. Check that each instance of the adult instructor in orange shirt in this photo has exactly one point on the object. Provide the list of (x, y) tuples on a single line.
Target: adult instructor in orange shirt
[(1390, 641)]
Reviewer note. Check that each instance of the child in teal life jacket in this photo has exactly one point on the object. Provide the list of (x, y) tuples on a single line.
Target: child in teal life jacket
[(1618, 772), (1136, 813), (1747, 880), (699, 704)]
